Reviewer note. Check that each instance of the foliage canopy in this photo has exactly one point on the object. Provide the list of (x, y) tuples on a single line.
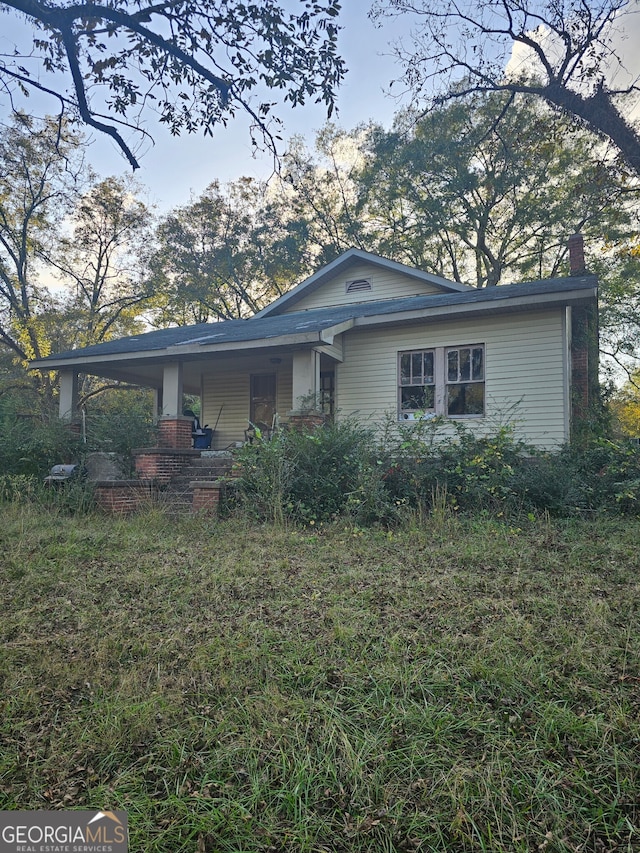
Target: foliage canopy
[(563, 51), (195, 63)]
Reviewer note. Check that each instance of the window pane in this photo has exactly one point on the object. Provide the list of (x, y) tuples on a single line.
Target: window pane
[(465, 399), (477, 368), (416, 367), (416, 398), (428, 367), (405, 369), (465, 365), (452, 366)]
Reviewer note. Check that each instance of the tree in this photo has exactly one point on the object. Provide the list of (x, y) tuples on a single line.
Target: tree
[(225, 255), (562, 51), (619, 270), (41, 170), (482, 200), (194, 63), (323, 191), (102, 261)]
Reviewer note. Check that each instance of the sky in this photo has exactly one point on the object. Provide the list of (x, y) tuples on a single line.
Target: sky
[(174, 168)]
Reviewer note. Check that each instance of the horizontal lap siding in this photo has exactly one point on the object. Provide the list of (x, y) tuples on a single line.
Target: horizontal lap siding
[(228, 382), (524, 371), (386, 285)]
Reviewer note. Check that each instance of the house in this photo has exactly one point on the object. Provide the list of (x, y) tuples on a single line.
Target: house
[(370, 338)]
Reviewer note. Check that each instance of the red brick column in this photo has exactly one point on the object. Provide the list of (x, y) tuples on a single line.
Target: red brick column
[(123, 496), (307, 422), (584, 365), (174, 432), (580, 380)]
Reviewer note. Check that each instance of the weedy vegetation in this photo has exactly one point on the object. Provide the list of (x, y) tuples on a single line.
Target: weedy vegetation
[(458, 682)]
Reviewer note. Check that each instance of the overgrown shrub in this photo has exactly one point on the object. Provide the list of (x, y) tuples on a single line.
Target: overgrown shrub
[(117, 423), (343, 470), (119, 433), (31, 446), (313, 475), (72, 497), (30, 443), (474, 472)]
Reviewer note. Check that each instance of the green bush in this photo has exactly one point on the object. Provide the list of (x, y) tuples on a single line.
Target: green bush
[(31, 446), (120, 422), (311, 475), (342, 471), (473, 472), (30, 443)]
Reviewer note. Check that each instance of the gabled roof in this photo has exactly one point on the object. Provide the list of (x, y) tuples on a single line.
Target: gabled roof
[(319, 326), (341, 265)]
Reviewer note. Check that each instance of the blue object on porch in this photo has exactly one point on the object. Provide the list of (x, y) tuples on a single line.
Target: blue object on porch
[(202, 436), (203, 439)]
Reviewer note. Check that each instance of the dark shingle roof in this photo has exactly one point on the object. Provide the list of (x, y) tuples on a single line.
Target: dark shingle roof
[(319, 319)]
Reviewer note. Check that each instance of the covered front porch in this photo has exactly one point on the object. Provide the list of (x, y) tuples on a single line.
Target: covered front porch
[(238, 389)]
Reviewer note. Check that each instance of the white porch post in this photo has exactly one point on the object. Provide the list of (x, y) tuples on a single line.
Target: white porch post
[(306, 376), (172, 390), (68, 399)]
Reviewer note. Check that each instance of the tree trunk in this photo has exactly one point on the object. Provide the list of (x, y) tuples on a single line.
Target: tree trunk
[(600, 114)]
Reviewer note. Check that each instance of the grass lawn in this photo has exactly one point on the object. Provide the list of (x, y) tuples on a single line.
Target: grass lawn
[(468, 686)]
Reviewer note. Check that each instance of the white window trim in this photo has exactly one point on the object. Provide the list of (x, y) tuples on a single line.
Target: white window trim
[(440, 375)]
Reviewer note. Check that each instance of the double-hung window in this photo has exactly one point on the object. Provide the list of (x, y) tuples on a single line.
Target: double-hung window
[(465, 381), (417, 382), (441, 381)]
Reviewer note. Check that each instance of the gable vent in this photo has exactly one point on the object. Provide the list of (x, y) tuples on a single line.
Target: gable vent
[(358, 285)]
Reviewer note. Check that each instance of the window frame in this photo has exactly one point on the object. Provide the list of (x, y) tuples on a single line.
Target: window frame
[(441, 382)]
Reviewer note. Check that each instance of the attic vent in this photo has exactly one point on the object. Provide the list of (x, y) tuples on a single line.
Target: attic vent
[(359, 285)]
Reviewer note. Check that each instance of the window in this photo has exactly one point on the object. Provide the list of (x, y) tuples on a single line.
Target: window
[(417, 382), (327, 392), (465, 381), (441, 381)]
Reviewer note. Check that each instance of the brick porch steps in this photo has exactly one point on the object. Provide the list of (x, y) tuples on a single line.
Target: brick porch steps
[(209, 467), (181, 480)]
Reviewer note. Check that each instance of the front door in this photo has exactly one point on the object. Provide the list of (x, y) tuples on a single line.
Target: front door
[(263, 399)]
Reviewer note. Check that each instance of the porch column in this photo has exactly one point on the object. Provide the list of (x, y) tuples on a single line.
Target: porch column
[(172, 390), (68, 399), (306, 377), (174, 430)]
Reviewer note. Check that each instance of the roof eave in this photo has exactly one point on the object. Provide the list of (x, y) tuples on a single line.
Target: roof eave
[(196, 350)]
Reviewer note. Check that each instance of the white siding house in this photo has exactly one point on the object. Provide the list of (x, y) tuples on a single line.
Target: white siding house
[(369, 338)]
